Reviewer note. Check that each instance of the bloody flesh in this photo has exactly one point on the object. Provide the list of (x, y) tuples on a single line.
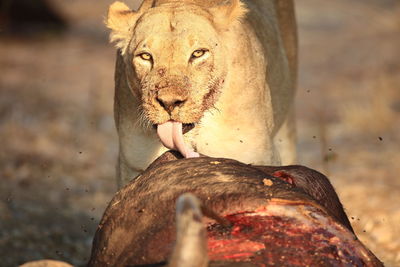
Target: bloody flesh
[(268, 237)]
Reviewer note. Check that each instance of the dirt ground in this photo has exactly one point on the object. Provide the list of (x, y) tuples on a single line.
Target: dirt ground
[(59, 146)]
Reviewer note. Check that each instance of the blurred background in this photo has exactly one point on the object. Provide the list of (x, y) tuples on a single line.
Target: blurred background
[(59, 146)]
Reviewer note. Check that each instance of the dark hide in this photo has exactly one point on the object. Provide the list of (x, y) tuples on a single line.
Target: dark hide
[(315, 184), (138, 227)]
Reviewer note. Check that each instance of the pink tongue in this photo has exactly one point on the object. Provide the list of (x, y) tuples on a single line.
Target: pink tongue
[(170, 134)]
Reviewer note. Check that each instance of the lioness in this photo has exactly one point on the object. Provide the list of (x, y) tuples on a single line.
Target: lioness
[(215, 77)]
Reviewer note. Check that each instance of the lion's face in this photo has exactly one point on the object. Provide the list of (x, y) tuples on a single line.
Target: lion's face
[(174, 56), (178, 64)]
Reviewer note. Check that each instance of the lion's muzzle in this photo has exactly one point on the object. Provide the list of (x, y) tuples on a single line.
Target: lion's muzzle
[(172, 93), (170, 101)]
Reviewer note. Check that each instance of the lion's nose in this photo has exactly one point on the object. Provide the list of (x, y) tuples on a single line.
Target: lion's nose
[(170, 102)]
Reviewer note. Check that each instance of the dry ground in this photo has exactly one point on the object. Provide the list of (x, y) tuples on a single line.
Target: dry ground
[(58, 143)]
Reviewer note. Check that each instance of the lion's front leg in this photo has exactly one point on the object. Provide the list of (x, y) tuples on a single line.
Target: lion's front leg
[(125, 173), (137, 150)]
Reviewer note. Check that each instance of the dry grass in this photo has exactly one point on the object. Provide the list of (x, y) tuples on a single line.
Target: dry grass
[(59, 143), (348, 106), (58, 149)]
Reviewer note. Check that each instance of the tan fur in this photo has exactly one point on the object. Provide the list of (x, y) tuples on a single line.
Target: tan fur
[(239, 93)]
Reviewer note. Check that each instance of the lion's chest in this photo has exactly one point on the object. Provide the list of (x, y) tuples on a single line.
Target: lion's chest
[(246, 141)]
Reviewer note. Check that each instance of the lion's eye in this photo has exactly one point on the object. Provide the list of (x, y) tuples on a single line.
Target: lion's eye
[(198, 53), (145, 56)]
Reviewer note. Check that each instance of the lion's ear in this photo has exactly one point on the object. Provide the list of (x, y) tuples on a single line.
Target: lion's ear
[(227, 14), (121, 19)]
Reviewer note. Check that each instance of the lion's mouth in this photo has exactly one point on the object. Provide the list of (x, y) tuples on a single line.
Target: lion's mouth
[(186, 127), (171, 135)]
